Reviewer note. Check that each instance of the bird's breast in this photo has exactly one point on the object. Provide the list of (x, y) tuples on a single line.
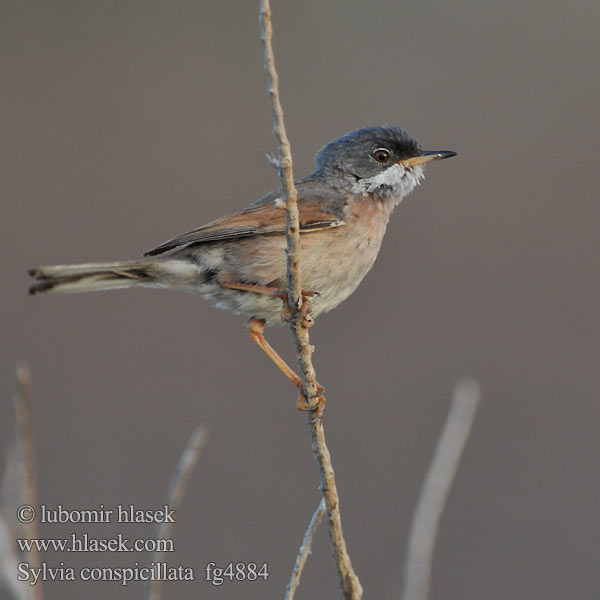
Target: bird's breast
[(335, 261)]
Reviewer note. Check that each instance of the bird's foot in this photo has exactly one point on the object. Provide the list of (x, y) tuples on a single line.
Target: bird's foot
[(305, 319), (317, 404)]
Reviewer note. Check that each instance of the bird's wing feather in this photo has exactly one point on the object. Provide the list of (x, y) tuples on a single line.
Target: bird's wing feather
[(266, 217)]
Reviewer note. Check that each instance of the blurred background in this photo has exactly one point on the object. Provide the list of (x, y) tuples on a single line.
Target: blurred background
[(129, 122)]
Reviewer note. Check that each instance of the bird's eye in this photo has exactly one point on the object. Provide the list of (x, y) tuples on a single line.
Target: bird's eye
[(381, 155)]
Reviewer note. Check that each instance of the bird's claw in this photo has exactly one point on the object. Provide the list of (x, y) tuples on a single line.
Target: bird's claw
[(316, 407), (304, 308)]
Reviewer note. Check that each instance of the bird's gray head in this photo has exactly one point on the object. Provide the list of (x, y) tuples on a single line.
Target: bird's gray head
[(385, 160)]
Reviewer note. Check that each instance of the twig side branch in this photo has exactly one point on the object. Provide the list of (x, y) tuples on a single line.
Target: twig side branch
[(426, 520), (351, 587), (175, 494), (304, 551)]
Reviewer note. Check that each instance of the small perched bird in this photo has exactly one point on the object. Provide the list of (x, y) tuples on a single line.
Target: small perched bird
[(239, 260)]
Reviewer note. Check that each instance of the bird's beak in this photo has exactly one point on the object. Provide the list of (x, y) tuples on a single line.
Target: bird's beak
[(426, 156)]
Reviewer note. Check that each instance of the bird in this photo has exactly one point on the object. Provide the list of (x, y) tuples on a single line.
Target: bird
[(239, 261)]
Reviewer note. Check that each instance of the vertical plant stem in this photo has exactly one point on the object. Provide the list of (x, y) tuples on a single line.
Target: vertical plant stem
[(435, 490), (26, 453), (175, 493), (349, 581)]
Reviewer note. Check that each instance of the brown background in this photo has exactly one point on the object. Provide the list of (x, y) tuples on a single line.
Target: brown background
[(129, 122)]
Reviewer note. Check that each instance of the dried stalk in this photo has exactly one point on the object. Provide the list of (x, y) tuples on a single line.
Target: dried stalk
[(426, 520), (304, 551), (9, 566), (26, 457), (175, 494), (284, 166), (349, 581)]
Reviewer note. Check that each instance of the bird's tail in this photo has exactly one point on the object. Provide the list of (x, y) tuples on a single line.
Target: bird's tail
[(92, 277)]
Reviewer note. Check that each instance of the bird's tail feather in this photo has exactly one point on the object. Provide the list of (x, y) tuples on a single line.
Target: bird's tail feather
[(92, 277)]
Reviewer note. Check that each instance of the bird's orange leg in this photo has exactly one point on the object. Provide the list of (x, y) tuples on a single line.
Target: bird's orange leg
[(263, 289), (255, 330), (273, 291)]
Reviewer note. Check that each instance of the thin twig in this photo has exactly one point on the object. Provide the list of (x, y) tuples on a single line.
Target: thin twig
[(304, 551), (9, 565), (349, 581), (26, 457), (299, 330), (426, 520), (18, 487), (175, 494)]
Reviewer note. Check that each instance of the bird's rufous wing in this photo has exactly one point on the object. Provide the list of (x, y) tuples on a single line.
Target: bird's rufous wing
[(265, 218)]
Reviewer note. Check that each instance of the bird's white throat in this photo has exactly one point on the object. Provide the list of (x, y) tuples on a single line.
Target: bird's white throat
[(394, 183)]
